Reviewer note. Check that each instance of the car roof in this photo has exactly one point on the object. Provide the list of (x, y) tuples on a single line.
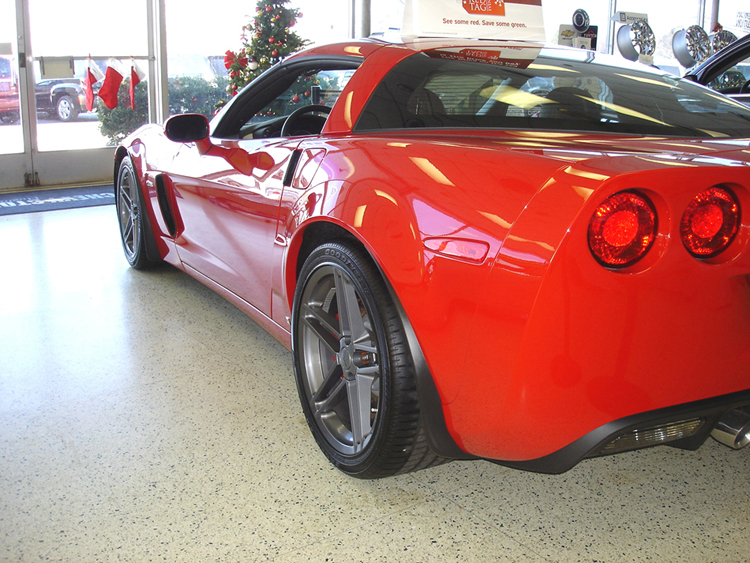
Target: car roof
[(365, 47)]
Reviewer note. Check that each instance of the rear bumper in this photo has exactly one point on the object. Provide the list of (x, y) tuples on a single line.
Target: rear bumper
[(595, 443)]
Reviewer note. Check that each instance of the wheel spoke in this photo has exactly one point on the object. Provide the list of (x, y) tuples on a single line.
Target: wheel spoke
[(320, 328), (359, 394), (332, 377), (127, 233), (125, 196), (321, 409), (350, 315)]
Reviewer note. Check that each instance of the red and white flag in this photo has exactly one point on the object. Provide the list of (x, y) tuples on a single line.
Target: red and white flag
[(93, 75), (112, 81), (136, 76)]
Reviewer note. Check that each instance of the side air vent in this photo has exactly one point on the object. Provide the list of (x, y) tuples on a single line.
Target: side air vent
[(166, 209)]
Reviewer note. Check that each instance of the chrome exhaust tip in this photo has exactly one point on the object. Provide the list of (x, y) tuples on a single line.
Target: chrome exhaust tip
[(733, 429)]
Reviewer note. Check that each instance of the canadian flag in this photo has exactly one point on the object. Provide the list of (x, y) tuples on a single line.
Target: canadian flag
[(112, 81), (93, 75), (136, 76)]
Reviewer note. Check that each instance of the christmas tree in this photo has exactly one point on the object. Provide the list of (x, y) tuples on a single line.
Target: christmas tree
[(265, 41)]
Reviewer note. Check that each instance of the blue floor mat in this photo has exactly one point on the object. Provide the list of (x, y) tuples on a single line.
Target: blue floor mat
[(53, 199)]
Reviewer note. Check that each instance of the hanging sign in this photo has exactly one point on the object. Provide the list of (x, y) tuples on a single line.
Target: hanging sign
[(482, 19), (629, 17)]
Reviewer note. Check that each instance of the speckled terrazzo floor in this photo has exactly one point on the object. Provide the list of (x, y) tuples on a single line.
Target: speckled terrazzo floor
[(143, 418)]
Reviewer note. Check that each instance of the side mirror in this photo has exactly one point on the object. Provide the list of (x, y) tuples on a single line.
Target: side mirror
[(189, 128)]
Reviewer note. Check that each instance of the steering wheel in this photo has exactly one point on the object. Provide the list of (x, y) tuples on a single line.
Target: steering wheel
[(745, 87), (293, 117)]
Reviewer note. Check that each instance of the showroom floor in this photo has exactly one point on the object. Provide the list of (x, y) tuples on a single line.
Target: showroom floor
[(143, 418)]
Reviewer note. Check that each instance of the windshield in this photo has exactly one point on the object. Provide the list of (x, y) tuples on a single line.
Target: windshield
[(556, 90)]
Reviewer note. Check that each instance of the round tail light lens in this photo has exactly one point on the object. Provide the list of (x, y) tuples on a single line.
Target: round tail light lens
[(622, 229), (710, 222)]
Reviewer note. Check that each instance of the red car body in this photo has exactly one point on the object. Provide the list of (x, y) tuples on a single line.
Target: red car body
[(529, 350)]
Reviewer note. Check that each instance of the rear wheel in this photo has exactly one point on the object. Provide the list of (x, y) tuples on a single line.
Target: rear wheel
[(130, 210), (354, 370)]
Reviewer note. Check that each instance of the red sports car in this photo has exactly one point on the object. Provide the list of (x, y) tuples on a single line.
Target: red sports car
[(474, 249)]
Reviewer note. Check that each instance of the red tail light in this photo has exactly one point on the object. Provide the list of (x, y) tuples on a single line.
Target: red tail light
[(622, 229), (710, 222)]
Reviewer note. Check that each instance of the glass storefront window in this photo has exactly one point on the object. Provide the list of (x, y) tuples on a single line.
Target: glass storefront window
[(11, 135), (196, 71), (57, 31)]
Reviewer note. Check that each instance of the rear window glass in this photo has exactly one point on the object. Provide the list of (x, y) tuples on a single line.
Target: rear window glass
[(561, 90)]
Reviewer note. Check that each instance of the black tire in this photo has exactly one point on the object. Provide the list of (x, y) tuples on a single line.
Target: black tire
[(10, 118), (130, 209), (351, 354), (66, 109)]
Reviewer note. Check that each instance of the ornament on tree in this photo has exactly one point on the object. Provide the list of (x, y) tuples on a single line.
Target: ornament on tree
[(274, 53)]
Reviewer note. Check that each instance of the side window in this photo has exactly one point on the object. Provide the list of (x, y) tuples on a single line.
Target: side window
[(313, 88), (730, 81), (503, 95)]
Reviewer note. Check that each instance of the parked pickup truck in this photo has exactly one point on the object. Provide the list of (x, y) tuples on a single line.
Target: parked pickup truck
[(63, 98)]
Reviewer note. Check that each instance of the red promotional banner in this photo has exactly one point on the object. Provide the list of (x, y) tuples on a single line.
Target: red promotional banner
[(484, 7)]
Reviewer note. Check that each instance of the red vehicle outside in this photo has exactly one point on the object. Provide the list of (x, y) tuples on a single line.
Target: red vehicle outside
[(473, 249), (10, 109)]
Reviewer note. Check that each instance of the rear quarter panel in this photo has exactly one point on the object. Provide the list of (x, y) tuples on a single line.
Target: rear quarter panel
[(392, 194)]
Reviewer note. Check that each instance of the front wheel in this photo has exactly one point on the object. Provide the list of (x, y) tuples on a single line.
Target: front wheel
[(353, 366), (130, 210)]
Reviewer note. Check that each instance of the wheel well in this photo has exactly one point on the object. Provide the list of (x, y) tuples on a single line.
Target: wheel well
[(59, 94), (119, 155), (319, 233)]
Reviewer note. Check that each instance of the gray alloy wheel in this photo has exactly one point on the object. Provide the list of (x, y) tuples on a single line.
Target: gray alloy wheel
[(65, 108), (129, 213), (354, 370)]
